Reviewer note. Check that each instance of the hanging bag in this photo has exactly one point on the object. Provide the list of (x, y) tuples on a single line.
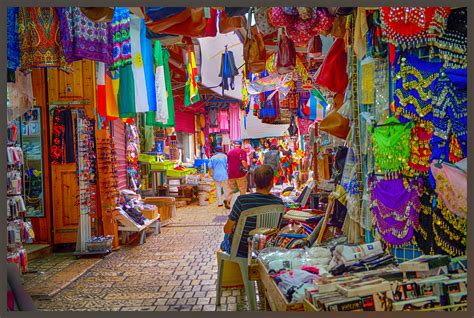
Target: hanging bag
[(230, 24), (255, 55), (286, 55), (333, 75)]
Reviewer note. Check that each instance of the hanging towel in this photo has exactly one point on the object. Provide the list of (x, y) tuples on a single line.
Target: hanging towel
[(160, 86), (139, 81), (126, 93), (360, 33), (101, 90), (234, 114), (147, 54), (191, 92), (112, 82), (13, 49)]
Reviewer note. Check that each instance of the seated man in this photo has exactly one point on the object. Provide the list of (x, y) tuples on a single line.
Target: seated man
[(263, 177)]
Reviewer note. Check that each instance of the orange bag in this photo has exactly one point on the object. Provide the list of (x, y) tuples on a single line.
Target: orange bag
[(230, 24), (191, 22), (255, 55)]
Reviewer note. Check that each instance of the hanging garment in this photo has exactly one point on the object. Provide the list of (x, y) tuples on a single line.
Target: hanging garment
[(395, 207), (148, 63), (62, 144), (392, 145), (213, 114), (112, 82), (13, 48), (101, 90), (150, 116), (83, 39), (126, 93), (234, 117), (228, 71), (141, 96), (191, 93), (223, 120), (40, 40), (160, 86), (120, 29)]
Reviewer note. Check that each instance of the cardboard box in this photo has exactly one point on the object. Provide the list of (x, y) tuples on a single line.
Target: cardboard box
[(363, 288), (345, 304)]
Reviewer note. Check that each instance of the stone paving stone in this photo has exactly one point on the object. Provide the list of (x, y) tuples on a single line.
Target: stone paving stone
[(162, 275), (203, 301)]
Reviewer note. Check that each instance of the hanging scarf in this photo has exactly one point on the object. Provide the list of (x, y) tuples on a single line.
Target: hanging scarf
[(39, 35), (391, 145), (120, 28), (420, 151), (13, 48), (395, 207), (112, 82), (126, 93), (101, 90), (191, 93)]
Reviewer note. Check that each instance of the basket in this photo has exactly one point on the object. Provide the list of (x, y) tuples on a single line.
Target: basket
[(162, 165), (101, 246), (179, 173)]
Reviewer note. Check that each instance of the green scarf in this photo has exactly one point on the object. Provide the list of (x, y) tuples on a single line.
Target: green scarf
[(392, 145)]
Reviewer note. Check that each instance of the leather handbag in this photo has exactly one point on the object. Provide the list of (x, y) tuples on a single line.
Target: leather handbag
[(229, 24), (333, 73), (255, 55), (339, 27), (286, 56), (335, 124)]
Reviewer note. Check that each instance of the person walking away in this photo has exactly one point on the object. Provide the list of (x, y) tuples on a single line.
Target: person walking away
[(272, 158), (264, 182), (237, 171), (218, 170)]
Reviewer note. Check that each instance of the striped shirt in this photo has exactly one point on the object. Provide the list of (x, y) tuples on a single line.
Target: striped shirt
[(243, 203)]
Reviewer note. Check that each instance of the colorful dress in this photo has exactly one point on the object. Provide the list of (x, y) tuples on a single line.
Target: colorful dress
[(83, 39), (40, 43)]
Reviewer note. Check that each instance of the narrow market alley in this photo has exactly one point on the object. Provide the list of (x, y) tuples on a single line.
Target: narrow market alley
[(175, 271)]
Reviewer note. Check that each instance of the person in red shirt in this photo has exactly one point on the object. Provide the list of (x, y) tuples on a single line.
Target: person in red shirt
[(237, 168)]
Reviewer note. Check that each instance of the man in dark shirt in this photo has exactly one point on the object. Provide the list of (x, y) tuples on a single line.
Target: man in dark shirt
[(263, 176)]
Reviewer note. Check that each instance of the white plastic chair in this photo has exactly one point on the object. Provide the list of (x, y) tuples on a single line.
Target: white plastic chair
[(268, 216)]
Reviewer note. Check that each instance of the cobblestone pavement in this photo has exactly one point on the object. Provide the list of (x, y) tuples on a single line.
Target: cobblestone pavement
[(175, 271)]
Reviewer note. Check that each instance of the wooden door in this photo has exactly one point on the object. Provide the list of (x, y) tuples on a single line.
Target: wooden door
[(62, 87), (65, 203)]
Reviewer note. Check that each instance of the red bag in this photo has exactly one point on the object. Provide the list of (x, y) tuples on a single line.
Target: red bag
[(211, 27), (286, 56), (191, 22), (333, 73)]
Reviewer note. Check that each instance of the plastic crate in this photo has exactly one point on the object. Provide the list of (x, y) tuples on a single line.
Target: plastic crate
[(163, 165), (179, 173), (198, 163)]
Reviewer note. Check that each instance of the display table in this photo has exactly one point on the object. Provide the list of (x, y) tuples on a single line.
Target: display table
[(127, 225), (274, 297)]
